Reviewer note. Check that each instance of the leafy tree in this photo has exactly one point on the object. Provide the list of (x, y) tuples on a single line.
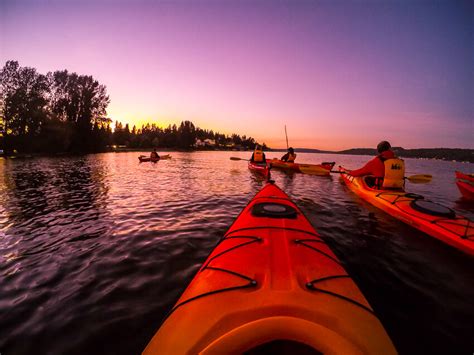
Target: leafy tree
[(79, 99), (24, 102), (186, 135), (64, 111)]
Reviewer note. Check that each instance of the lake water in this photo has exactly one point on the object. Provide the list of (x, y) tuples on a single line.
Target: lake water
[(94, 250)]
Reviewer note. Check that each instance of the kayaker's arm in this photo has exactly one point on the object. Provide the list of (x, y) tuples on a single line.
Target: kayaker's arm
[(371, 168)]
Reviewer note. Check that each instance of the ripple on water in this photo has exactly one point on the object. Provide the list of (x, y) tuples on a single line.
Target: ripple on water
[(95, 250)]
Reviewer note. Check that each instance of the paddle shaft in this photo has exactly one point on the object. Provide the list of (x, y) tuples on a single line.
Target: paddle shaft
[(236, 158)]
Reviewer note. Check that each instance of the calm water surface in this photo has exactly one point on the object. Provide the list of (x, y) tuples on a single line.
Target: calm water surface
[(94, 250)]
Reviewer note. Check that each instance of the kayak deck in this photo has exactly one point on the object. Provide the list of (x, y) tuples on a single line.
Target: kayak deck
[(269, 279), (262, 169), (315, 169), (454, 230), (467, 177), (465, 184)]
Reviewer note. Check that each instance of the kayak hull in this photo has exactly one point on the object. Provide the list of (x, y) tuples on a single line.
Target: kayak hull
[(270, 279), (465, 184), (468, 177), (456, 231), (144, 159), (316, 169), (261, 169)]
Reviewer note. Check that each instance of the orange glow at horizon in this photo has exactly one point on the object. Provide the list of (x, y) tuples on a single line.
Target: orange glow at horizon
[(276, 138)]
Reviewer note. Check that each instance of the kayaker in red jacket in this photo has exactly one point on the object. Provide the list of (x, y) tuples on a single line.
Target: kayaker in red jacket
[(375, 168)]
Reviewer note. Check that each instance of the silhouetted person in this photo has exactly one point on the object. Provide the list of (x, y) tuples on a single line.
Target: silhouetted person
[(154, 154), (290, 156)]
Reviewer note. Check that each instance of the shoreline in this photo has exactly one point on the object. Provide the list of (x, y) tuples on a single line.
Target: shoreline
[(148, 150)]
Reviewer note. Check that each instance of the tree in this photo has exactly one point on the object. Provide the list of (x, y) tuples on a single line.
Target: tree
[(186, 135), (79, 99), (24, 102)]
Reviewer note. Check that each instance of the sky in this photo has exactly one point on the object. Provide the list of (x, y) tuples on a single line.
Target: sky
[(339, 74)]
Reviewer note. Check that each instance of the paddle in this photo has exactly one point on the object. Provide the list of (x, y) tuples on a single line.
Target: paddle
[(419, 179), (235, 158)]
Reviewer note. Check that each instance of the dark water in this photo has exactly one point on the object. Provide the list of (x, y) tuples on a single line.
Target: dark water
[(95, 250)]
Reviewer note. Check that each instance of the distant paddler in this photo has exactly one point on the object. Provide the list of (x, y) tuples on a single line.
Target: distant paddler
[(154, 155), (290, 156), (258, 155)]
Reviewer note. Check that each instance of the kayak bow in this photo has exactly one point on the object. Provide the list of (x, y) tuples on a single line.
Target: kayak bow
[(431, 218), (262, 169), (465, 184), (271, 282)]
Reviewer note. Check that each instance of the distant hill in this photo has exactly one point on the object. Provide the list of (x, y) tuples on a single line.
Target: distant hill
[(304, 150), (456, 154)]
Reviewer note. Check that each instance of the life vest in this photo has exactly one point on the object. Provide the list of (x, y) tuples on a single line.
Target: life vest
[(291, 158), (394, 177), (258, 156)]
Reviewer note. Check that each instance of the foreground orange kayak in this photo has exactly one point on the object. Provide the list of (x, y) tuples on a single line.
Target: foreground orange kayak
[(271, 283), (316, 169), (465, 184), (431, 218)]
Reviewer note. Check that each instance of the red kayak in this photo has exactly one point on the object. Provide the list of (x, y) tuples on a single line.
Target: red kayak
[(271, 286), (262, 169), (465, 183)]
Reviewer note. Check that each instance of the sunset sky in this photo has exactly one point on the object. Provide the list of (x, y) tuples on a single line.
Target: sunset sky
[(339, 74)]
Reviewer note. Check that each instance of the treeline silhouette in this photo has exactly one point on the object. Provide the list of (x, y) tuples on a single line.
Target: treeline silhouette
[(183, 136), (66, 112)]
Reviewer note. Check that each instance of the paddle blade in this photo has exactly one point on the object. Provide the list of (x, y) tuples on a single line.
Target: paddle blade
[(235, 158), (420, 179)]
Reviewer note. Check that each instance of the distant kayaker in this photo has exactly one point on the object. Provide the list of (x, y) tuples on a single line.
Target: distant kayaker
[(290, 156), (154, 154), (385, 170), (258, 155)]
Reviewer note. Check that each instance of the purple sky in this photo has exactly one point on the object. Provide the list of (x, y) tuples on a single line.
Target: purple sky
[(339, 74)]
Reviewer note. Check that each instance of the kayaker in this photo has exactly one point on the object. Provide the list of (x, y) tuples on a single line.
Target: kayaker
[(154, 154), (385, 170), (290, 156), (258, 155)]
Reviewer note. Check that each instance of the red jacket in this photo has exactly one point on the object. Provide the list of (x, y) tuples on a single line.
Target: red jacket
[(374, 167)]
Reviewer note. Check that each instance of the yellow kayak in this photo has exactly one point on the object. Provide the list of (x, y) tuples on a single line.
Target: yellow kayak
[(315, 169)]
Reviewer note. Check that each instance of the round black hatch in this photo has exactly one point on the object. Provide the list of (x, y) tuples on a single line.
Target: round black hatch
[(273, 210), (432, 208)]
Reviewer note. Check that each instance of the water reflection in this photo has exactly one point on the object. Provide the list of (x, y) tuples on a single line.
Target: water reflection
[(95, 250)]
